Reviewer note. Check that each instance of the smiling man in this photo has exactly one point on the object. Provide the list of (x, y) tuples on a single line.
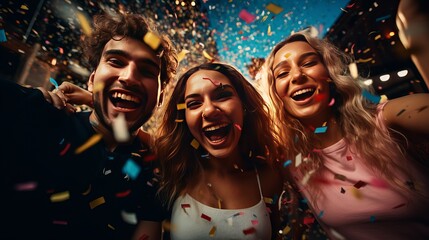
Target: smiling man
[(70, 176)]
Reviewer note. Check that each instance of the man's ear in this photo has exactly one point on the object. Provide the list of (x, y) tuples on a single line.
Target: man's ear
[(91, 82)]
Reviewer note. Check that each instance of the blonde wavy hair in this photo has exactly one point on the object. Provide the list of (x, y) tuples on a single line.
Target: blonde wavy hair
[(356, 116), (180, 162)]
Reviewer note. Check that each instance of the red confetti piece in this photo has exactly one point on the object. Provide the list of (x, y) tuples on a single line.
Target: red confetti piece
[(186, 205), (308, 220), (123, 194), (249, 231), (349, 158), (149, 158), (359, 184), (144, 237), (66, 148), (203, 216)]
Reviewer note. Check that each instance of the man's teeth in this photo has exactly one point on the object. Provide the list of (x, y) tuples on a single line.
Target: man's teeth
[(125, 97), (302, 91), (212, 128)]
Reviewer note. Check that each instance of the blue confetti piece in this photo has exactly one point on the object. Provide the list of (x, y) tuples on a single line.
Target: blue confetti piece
[(372, 218), (53, 82), (321, 129), (131, 169), (2, 36), (321, 214), (372, 98), (288, 162), (304, 200)]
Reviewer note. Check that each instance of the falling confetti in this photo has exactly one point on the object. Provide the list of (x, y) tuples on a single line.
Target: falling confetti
[(120, 129), (91, 141), (152, 40)]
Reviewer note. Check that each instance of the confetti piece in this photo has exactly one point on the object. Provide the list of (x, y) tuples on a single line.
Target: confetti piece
[(287, 163), (53, 82), (110, 226), (372, 98), (246, 16), (372, 218), (336, 235), (206, 55), (254, 222), (91, 141), (60, 197), (298, 160), (269, 33), (120, 129), (353, 70), (342, 191), (237, 126), (87, 191), (286, 230), (307, 177), (3, 36), (123, 194), (131, 169), (249, 231), (203, 216), (308, 220), (97, 202), (212, 231), (320, 215), (379, 183), (422, 108), (268, 200), (130, 218), (340, 177), (66, 148), (181, 106), (178, 120), (182, 55), (349, 158), (274, 8), (195, 144), (356, 193), (60, 222), (84, 23), (28, 186), (152, 40), (99, 86), (321, 129), (359, 184), (186, 205), (144, 237)]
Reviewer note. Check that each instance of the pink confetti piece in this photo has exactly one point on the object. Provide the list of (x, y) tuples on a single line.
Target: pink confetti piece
[(246, 16), (60, 222), (254, 222), (379, 183), (66, 148), (237, 126), (349, 158), (332, 102), (28, 186)]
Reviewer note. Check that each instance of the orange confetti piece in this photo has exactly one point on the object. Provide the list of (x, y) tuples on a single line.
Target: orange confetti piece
[(84, 23), (195, 144), (286, 230), (274, 8), (212, 231), (181, 106), (87, 191), (91, 141), (206, 55), (182, 55), (98, 87), (97, 202)]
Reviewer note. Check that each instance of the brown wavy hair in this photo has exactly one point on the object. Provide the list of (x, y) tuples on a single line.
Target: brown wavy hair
[(135, 26), (180, 161)]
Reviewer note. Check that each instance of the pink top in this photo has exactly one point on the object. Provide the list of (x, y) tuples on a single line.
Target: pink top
[(356, 203)]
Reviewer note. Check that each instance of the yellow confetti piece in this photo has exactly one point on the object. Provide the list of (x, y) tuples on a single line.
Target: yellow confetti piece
[(24, 7), (269, 33), (219, 203), (60, 197), (179, 120), (366, 50), (152, 40), (195, 144), (287, 55), (383, 98), (206, 55), (84, 23), (182, 55), (98, 87), (91, 141), (286, 230), (181, 106), (353, 70), (111, 227), (324, 124), (212, 231), (268, 200), (97, 202), (264, 18), (364, 60), (136, 155), (274, 8), (377, 37)]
